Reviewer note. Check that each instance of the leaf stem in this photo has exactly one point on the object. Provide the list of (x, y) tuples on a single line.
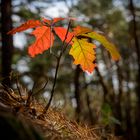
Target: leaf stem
[(57, 67)]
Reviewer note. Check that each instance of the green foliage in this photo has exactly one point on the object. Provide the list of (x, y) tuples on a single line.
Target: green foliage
[(107, 115)]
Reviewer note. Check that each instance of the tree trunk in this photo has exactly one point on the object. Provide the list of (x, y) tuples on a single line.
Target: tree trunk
[(91, 117), (128, 118), (105, 89), (77, 91), (118, 99), (135, 37), (128, 108), (7, 40)]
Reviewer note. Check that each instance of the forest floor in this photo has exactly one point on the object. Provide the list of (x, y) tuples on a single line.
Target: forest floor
[(27, 121)]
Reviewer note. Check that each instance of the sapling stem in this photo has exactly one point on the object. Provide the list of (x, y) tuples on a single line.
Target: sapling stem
[(57, 67)]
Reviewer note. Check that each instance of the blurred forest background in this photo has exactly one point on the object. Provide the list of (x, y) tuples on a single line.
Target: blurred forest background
[(110, 96)]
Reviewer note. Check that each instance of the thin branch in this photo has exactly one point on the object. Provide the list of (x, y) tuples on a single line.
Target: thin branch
[(6, 88), (57, 67), (41, 89), (31, 93), (53, 87), (18, 88)]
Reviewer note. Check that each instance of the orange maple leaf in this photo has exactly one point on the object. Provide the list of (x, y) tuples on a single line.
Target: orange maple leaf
[(79, 30), (27, 25), (53, 21), (61, 32), (43, 34), (44, 39)]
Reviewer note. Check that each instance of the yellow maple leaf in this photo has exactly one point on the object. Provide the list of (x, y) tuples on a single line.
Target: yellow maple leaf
[(84, 54), (107, 44)]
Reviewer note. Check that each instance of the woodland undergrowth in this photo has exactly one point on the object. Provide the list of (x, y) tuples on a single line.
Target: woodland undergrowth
[(52, 125)]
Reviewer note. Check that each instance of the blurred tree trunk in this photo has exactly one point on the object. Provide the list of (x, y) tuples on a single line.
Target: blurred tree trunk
[(7, 40), (92, 119), (128, 117), (77, 91), (108, 64), (136, 43), (118, 107), (105, 89), (90, 111)]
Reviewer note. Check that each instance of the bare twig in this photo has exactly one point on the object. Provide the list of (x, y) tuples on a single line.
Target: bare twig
[(6, 88), (18, 88), (31, 92), (41, 89)]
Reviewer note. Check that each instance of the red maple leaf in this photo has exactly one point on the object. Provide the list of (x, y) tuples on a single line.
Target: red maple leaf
[(44, 39), (60, 31), (27, 25), (43, 34)]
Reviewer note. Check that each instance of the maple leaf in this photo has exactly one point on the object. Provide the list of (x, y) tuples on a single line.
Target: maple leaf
[(43, 34), (44, 39), (82, 50), (107, 44), (53, 21), (83, 53), (81, 30), (61, 32), (27, 25)]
